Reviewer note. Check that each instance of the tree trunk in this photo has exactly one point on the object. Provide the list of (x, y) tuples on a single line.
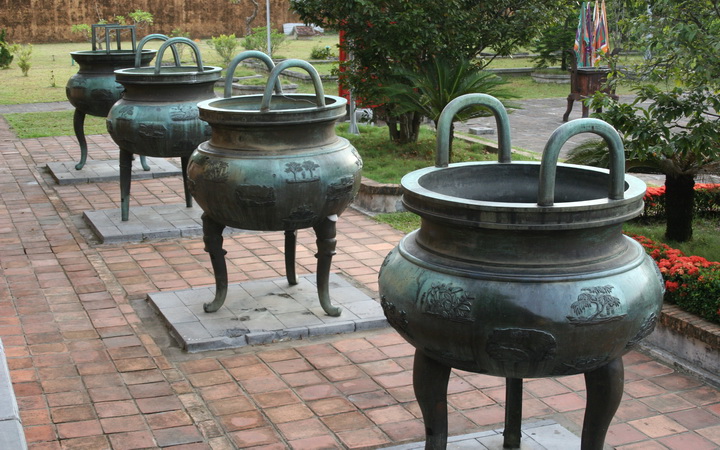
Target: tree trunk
[(679, 206), (250, 18), (404, 128)]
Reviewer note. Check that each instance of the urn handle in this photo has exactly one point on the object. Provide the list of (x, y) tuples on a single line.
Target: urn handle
[(442, 158), (172, 42), (107, 28), (548, 165), (150, 37), (275, 75), (242, 57)]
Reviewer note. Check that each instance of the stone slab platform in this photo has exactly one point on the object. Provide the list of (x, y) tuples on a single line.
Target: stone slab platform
[(541, 435), (264, 311), (148, 222), (64, 172)]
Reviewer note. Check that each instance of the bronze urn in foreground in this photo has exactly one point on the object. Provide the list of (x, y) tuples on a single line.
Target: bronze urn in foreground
[(521, 270), (274, 163)]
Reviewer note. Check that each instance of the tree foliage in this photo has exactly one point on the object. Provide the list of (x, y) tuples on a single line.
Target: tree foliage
[(382, 35), (249, 19), (673, 124), (557, 38), (6, 56), (436, 83)]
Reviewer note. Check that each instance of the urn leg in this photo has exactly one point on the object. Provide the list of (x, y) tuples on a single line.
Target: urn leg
[(290, 244), (79, 128), (604, 392), (143, 163), (184, 160), (570, 101), (126, 159), (585, 109), (430, 381), (513, 412), (213, 239), (325, 234)]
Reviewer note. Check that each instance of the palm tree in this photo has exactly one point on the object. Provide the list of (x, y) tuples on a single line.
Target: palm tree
[(437, 82)]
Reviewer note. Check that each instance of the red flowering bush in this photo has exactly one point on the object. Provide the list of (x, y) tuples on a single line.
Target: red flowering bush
[(707, 199), (691, 282)]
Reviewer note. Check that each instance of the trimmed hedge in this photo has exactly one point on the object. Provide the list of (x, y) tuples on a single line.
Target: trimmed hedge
[(707, 200)]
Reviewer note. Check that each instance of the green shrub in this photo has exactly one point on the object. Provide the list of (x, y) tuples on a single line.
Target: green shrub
[(6, 56), (225, 46), (257, 40), (177, 32), (321, 52), (691, 282), (23, 55)]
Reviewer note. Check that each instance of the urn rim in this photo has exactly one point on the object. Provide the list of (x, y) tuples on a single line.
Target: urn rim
[(169, 75), (429, 200), (294, 109)]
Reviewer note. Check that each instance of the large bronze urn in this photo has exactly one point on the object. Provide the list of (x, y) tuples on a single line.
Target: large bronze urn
[(274, 163), (521, 270), (93, 89), (158, 115)]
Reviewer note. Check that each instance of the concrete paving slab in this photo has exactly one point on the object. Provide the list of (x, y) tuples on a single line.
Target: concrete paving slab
[(11, 429), (254, 314), (148, 222), (64, 172), (541, 435)]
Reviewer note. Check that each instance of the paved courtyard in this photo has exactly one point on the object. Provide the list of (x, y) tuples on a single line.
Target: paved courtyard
[(93, 366)]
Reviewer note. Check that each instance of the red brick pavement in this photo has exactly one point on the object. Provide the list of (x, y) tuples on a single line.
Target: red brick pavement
[(89, 373)]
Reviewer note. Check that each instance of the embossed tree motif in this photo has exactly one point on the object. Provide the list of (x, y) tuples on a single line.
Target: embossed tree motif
[(125, 111), (595, 304), (310, 166), (183, 112), (216, 172), (294, 169), (448, 302)]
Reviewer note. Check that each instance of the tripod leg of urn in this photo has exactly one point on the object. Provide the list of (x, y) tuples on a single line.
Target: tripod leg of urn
[(430, 381), (126, 159), (604, 392), (79, 128), (213, 239), (184, 160), (325, 234), (290, 245)]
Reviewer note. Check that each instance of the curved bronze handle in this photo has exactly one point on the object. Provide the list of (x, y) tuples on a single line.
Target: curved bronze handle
[(172, 42), (150, 37), (442, 157), (548, 166), (274, 78), (243, 56)]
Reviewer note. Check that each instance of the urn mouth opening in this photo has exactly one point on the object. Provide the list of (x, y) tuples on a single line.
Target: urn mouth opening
[(506, 194), (169, 75), (109, 54), (284, 108), (514, 184)]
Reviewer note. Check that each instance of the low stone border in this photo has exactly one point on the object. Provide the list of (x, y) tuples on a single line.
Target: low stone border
[(11, 429), (688, 342), (374, 197)]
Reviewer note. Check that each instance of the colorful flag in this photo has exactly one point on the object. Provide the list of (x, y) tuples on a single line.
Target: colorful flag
[(591, 37)]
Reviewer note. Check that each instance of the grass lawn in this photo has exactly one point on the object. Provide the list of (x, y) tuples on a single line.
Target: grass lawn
[(52, 66), (385, 162), (54, 123)]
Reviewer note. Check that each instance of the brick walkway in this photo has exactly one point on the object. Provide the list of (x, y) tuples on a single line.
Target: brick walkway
[(92, 368)]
